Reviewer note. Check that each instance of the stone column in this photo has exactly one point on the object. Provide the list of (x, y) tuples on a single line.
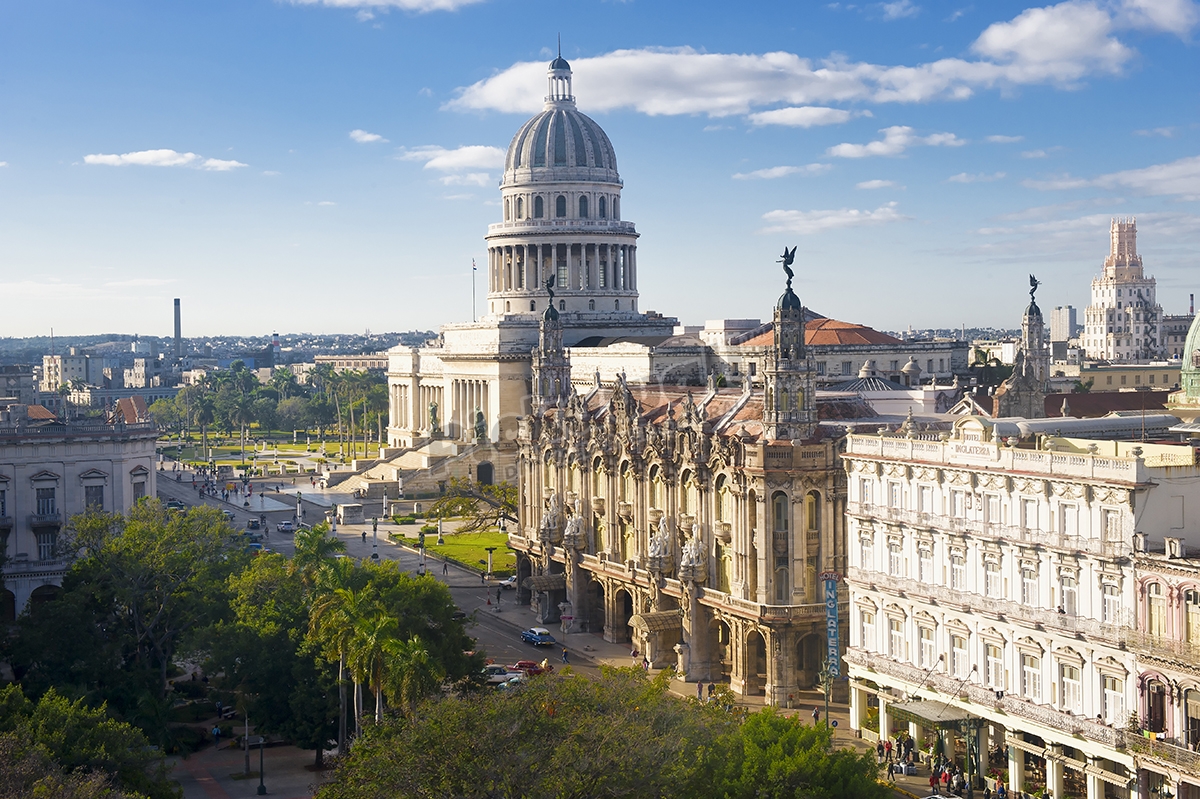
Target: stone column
[(1016, 767), (984, 742), (1054, 772), (1095, 785), (885, 730)]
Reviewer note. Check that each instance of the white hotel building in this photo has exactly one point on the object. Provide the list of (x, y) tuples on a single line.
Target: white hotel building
[(992, 593)]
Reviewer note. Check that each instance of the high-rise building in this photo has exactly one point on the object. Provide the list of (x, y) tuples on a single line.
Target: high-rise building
[(1062, 323), (1123, 321)]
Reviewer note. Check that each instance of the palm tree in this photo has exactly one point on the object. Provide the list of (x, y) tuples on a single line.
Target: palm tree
[(331, 623), (315, 548), (204, 412), (242, 414), (376, 401), (413, 673), (373, 636)]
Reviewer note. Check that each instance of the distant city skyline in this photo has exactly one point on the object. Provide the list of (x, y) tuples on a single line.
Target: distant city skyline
[(331, 165)]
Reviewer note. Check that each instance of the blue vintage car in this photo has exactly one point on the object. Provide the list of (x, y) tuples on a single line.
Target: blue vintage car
[(538, 636)]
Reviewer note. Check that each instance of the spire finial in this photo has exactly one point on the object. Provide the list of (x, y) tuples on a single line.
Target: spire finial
[(560, 45)]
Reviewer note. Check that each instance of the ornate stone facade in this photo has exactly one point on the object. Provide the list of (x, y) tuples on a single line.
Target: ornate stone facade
[(685, 523), (1124, 320)]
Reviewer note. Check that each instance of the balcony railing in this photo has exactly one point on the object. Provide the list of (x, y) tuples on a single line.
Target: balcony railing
[(1163, 751), (6, 522), (1114, 633), (44, 519), (1144, 643), (74, 429), (1117, 545)]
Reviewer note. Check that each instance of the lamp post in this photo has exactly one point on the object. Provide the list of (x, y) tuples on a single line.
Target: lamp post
[(825, 680), (262, 788), (375, 539), (490, 550), (970, 731)]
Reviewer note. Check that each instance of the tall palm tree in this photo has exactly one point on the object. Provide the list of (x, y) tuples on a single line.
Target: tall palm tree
[(204, 411), (373, 637), (413, 673), (315, 548), (335, 611)]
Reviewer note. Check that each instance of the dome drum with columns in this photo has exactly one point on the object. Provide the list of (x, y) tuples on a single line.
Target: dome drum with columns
[(561, 201)]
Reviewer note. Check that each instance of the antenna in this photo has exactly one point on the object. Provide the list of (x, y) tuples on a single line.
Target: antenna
[(560, 45)]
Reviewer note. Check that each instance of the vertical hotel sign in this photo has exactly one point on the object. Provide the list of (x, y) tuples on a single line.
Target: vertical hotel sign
[(833, 653)]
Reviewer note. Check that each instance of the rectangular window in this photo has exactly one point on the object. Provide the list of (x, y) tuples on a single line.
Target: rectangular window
[(995, 667), (866, 554), (958, 504), (846, 368), (927, 655), (867, 631), (1114, 702), (820, 367), (1029, 587), (139, 490), (958, 656), (896, 638), (46, 505), (895, 497), (1069, 599), (926, 500), (1071, 690), (1031, 677), (925, 565), (3, 504), (864, 491), (958, 573), (895, 560), (1112, 604), (93, 497), (994, 586), (1070, 519), (46, 539), (1029, 514), (992, 509)]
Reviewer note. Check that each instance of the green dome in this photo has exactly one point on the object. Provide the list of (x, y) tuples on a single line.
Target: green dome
[(1189, 378)]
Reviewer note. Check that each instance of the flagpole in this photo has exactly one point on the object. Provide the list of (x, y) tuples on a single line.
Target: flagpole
[(473, 271)]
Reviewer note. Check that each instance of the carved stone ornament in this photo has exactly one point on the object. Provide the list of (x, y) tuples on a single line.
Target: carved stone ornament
[(723, 531), (660, 560), (895, 470), (926, 474), (1111, 496), (551, 527), (693, 561), (993, 481), (1070, 490), (1027, 486), (574, 536), (958, 478)]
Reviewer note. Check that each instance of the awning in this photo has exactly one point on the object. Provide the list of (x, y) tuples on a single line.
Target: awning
[(546, 582), (934, 715), (662, 621)]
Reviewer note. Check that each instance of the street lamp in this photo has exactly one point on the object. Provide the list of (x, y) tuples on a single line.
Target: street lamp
[(490, 550), (825, 680), (375, 539), (262, 788)]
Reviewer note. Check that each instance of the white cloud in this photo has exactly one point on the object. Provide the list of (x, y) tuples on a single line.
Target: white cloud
[(895, 141), (362, 137), (1060, 45), (1034, 154), (139, 282), (875, 184), (471, 156), (807, 222), (999, 139), (982, 177), (3, 164), (900, 9), (364, 15), (271, 173), (1166, 133), (1178, 178), (807, 116), (143, 158), (770, 173), (467, 179), (419, 6), (217, 165), (326, 202), (162, 158)]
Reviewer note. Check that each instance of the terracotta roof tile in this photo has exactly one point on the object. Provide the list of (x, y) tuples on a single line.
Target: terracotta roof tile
[(824, 332)]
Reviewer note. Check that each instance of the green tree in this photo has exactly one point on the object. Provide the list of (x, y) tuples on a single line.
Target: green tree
[(293, 413), (482, 506), (413, 673), (80, 740), (26, 769)]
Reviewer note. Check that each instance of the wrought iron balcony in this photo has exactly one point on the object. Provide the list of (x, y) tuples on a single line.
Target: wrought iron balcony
[(45, 519), (6, 522)]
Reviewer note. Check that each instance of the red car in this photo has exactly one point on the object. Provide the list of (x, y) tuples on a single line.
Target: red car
[(531, 667)]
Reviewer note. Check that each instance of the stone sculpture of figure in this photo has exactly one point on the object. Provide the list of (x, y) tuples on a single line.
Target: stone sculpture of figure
[(433, 417), (480, 425), (693, 562), (551, 516), (573, 535), (660, 543)]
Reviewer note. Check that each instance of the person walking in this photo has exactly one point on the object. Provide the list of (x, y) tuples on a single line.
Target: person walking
[(700, 691), (887, 748), (564, 656), (879, 751), (445, 567), (816, 714), (712, 690), (216, 734), (891, 773)]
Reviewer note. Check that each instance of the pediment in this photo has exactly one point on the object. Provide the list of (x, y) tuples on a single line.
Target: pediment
[(93, 474), (45, 475), (139, 471)]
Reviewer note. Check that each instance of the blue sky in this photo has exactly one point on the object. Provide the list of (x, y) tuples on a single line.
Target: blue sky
[(326, 165)]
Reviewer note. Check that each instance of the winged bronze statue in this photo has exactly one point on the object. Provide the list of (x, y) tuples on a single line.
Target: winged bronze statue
[(550, 288), (1033, 285), (787, 259)]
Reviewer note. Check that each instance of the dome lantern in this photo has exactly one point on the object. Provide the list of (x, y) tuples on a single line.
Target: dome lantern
[(559, 79)]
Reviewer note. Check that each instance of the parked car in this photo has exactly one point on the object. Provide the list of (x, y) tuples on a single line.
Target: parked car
[(531, 668), (514, 682), (497, 674), (228, 514), (255, 538), (458, 613), (508, 582), (174, 504), (254, 524), (538, 636), (285, 527)]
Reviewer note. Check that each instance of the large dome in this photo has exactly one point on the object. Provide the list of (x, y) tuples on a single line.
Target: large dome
[(560, 143)]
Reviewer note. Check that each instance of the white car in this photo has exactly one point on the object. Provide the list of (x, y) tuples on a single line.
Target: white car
[(497, 674), (508, 582)]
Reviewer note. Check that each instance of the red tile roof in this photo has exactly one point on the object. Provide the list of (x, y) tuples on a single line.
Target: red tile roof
[(819, 332)]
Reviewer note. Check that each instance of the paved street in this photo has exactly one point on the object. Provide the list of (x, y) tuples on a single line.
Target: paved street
[(497, 634)]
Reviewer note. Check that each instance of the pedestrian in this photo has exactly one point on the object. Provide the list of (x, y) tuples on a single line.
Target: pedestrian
[(364, 536), (887, 747), (891, 773), (564, 657), (645, 666), (482, 578), (879, 751), (987, 792), (220, 708), (497, 599), (712, 690), (933, 782), (816, 714), (1001, 791), (216, 733), (700, 691), (445, 568)]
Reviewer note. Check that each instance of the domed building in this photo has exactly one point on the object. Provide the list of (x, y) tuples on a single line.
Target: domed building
[(561, 234)]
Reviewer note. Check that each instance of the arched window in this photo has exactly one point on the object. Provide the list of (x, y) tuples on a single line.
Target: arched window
[(1156, 611), (539, 208), (507, 307), (616, 305), (656, 492), (583, 208), (560, 206), (616, 208), (506, 210), (685, 493), (591, 305), (812, 511), (603, 208), (548, 476), (520, 208), (720, 498), (780, 525), (562, 305), (626, 482), (597, 477), (1191, 601), (533, 305)]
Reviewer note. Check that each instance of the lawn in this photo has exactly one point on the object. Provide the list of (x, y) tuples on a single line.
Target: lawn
[(467, 549)]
